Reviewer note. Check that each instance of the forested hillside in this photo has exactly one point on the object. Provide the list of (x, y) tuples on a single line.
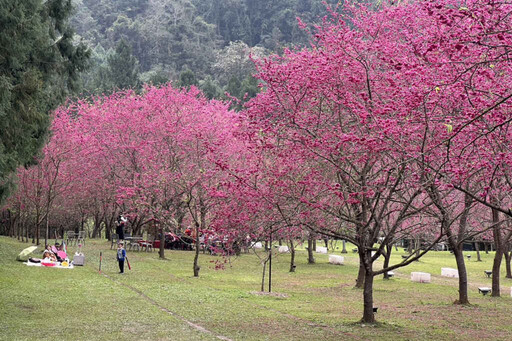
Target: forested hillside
[(200, 42)]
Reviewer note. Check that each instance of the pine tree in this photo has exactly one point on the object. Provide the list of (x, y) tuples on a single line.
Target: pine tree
[(39, 65), (123, 68)]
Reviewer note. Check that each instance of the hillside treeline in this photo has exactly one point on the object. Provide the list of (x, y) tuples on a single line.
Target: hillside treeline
[(190, 42)]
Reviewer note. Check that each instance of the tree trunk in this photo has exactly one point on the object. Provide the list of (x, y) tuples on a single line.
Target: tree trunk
[(360, 276), (496, 272), (314, 244), (463, 276), (477, 248), (498, 256), (326, 241), (196, 256), (344, 246), (410, 246), (38, 230), (97, 226), (486, 246), (270, 265), (161, 251), (387, 257), (368, 314), (292, 257), (263, 276), (508, 258), (311, 259)]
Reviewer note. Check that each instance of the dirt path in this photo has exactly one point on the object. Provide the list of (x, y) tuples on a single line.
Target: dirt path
[(156, 304), (287, 315)]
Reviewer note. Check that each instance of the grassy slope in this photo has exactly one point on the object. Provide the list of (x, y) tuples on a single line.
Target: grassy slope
[(320, 302)]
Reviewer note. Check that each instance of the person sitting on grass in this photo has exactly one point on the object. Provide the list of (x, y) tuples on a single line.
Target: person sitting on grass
[(121, 255), (48, 254)]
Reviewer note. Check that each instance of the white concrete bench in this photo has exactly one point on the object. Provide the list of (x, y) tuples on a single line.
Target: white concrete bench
[(484, 290), (321, 249), (257, 245), (283, 249), (335, 259), (449, 272), (420, 277)]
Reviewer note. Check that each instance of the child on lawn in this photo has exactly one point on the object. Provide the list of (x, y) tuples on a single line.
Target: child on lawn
[(121, 255)]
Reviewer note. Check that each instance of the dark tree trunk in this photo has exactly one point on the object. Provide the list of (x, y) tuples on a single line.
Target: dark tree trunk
[(344, 250), (368, 314), (360, 276), (38, 230), (477, 248), (326, 241), (311, 259), (314, 244), (161, 251), (496, 265), (498, 256), (486, 246), (263, 276), (410, 246), (457, 245), (292, 257), (97, 226), (463, 276), (508, 258), (196, 256), (387, 257)]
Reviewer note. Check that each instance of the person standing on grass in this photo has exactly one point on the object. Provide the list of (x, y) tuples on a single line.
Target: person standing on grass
[(120, 227), (121, 255)]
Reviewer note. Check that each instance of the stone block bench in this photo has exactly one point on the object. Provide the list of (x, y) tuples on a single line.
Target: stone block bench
[(321, 249), (335, 259), (420, 277), (283, 249), (484, 290), (449, 272)]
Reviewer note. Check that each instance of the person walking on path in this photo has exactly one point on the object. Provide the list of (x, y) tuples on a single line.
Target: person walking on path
[(121, 256)]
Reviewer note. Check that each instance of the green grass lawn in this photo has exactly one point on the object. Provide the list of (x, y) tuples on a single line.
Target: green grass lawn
[(161, 300)]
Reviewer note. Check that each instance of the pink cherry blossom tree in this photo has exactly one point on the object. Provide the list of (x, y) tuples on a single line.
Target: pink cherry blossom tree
[(383, 103)]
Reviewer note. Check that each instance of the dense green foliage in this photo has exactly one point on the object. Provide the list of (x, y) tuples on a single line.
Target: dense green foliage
[(39, 65), (207, 39)]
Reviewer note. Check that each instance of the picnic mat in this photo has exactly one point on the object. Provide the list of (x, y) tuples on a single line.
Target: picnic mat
[(54, 266)]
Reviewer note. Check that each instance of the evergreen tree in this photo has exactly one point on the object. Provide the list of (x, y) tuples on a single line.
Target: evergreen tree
[(187, 79), (210, 88), (39, 65), (249, 88), (234, 87), (123, 68)]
